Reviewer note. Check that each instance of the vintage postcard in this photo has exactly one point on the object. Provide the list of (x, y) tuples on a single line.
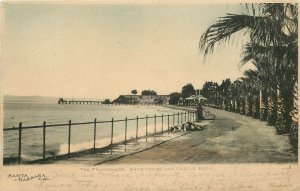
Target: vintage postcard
[(149, 95)]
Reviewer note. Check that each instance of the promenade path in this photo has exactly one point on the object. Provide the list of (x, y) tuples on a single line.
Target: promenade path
[(231, 138)]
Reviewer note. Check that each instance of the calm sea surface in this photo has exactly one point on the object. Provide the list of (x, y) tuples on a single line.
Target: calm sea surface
[(32, 113)]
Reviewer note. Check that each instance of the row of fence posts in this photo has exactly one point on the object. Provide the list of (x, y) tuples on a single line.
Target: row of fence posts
[(190, 118)]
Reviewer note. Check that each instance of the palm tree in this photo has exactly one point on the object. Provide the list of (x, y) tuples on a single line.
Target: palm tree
[(225, 92), (233, 96), (241, 109), (266, 76), (248, 91), (251, 89), (272, 27), (255, 99)]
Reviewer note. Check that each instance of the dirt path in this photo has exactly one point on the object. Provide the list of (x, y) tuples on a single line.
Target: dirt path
[(231, 138)]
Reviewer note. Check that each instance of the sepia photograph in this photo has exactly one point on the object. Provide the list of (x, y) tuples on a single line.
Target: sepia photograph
[(150, 95)]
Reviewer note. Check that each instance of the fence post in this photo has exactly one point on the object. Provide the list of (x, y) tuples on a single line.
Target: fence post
[(188, 116), (178, 118), (112, 134), (173, 119), (125, 131), (184, 116), (44, 139), (69, 140), (155, 124), (168, 123), (137, 127), (95, 122), (162, 122), (146, 127), (193, 116), (20, 142), (181, 119)]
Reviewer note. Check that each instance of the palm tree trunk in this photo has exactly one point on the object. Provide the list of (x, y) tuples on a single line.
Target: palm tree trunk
[(249, 106), (232, 105), (226, 102), (280, 120), (256, 107), (246, 106), (272, 109), (238, 106), (285, 107), (293, 135), (295, 104), (235, 106), (243, 105), (263, 106)]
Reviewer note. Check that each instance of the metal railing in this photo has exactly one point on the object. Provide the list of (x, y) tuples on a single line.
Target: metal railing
[(188, 116)]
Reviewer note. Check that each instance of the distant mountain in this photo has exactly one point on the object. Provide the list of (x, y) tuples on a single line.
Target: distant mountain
[(13, 98)]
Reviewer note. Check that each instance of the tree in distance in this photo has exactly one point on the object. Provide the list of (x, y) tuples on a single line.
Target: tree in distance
[(174, 98), (148, 93), (134, 92), (106, 101), (188, 90)]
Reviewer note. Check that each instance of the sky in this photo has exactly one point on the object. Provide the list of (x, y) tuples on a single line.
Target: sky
[(102, 51)]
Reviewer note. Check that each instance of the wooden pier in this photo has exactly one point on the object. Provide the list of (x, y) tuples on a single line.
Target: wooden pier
[(62, 101)]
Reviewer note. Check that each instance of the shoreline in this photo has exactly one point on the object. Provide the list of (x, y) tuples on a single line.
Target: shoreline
[(184, 108), (13, 159)]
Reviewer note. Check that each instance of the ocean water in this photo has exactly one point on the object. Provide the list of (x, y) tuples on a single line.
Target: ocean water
[(82, 136)]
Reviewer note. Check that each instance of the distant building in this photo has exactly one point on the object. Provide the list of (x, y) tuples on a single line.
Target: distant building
[(142, 99), (193, 100)]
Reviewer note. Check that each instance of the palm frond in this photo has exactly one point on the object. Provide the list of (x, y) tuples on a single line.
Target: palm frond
[(232, 23), (223, 29), (250, 73), (269, 54), (247, 54), (276, 9)]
